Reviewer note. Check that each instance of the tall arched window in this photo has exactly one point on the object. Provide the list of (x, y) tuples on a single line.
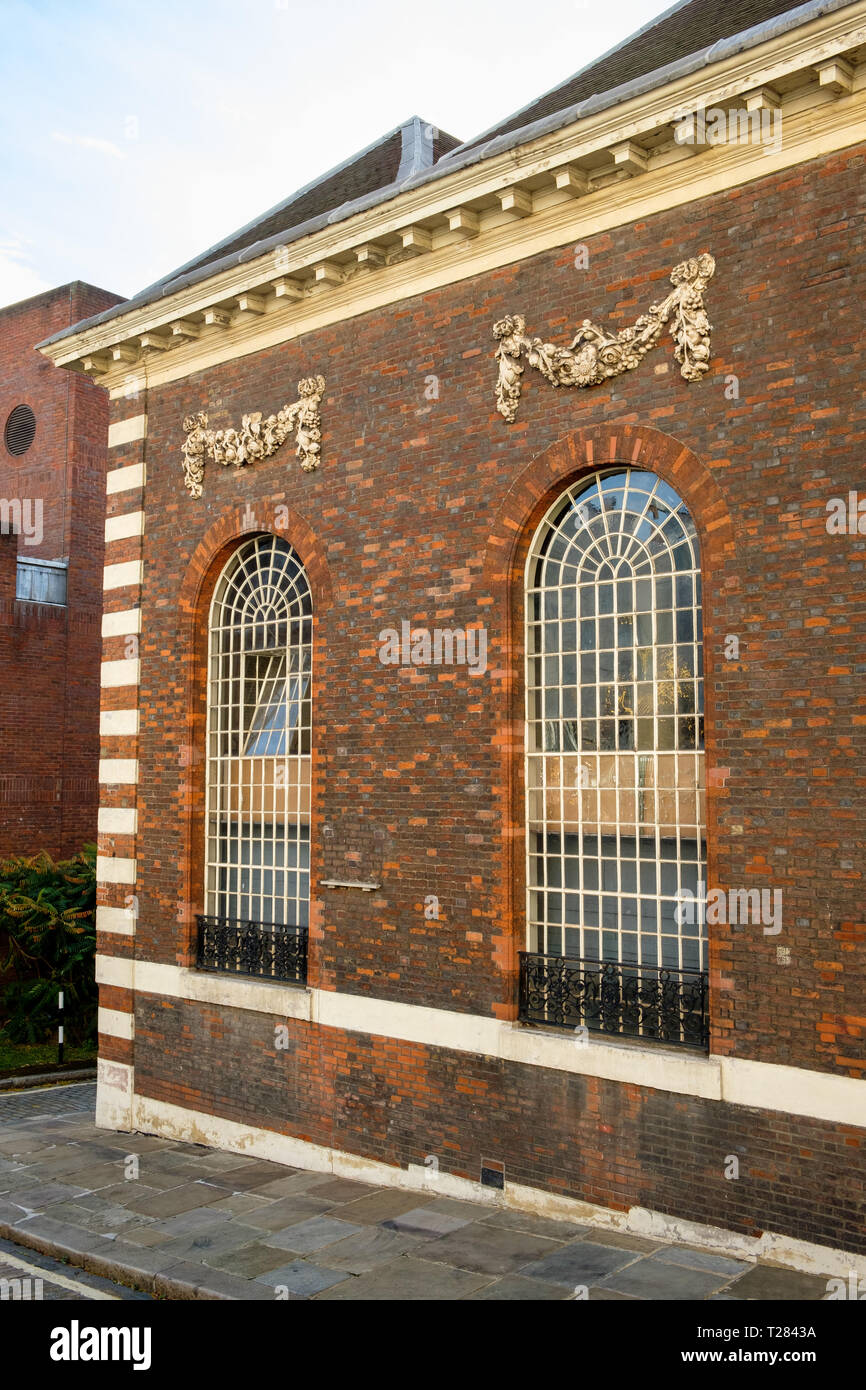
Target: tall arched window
[(258, 758), (614, 761)]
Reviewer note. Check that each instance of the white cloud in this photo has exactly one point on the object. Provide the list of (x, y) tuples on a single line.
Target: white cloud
[(18, 279), (88, 142)]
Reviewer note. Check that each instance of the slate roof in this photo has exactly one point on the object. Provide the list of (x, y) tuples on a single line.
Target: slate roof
[(417, 152), (684, 29), (412, 147)]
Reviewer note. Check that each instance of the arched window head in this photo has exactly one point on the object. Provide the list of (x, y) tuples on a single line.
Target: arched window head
[(259, 737), (614, 749)]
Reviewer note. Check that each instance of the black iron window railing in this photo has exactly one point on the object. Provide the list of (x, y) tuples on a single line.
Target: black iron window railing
[(627, 1001), (252, 948)]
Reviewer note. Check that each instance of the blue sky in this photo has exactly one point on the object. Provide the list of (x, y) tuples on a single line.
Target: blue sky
[(136, 133)]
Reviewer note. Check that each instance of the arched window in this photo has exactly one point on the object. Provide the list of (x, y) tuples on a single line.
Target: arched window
[(615, 763), (258, 761)]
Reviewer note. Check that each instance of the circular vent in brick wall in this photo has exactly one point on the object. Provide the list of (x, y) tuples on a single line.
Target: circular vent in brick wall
[(20, 430)]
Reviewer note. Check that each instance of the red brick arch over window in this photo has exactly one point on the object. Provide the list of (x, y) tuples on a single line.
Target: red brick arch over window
[(194, 598), (582, 452)]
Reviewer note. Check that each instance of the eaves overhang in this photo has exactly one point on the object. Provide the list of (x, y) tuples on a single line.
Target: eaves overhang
[(810, 58)]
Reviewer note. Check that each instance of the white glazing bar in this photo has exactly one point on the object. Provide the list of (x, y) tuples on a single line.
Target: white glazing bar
[(614, 725), (258, 737)]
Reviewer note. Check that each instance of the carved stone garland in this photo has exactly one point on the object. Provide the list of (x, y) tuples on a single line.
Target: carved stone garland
[(595, 355), (256, 438)]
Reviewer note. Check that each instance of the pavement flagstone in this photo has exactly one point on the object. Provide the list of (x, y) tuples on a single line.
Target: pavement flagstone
[(185, 1221)]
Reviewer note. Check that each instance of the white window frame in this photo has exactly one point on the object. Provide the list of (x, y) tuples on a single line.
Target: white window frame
[(257, 803), (592, 809)]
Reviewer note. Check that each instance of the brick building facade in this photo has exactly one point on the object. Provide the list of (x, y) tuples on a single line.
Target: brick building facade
[(385, 1026), (53, 461)]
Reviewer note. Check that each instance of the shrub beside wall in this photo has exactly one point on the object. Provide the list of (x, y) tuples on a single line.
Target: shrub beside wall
[(48, 943)]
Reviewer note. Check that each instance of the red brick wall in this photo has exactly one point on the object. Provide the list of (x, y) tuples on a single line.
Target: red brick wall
[(50, 722), (576, 1136), (422, 509)]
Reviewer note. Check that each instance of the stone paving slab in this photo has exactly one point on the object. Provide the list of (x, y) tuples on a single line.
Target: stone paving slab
[(103, 1220), (426, 1221), (641, 1280), (582, 1262), (211, 1161), (124, 1193), (163, 1180), (285, 1211), (82, 1206), (23, 1139), (372, 1246), (488, 1249), (514, 1288), (57, 1123), (702, 1259), (9, 1213), (248, 1261), (308, 1236), (123, 1143), (301, 1277), (342, 1190), (536, 1225), (44, 1194), (381, 1206), (767, 1282), (218, 1283), (145, 1235), (67, 1161), (198, 1223), (240, 1202), (169, 1162), (61, 1234), (257, 1176), (468, 1211), (408, 1280), (296, 1182), (175, 1200), (197, 1219), (622, 1240), (135, 1260), (95, 1176), (79, 1127), (209, 1240), (19, 1181)]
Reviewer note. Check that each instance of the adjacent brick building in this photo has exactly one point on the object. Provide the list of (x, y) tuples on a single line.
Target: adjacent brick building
[(53, 461), (427, 920)]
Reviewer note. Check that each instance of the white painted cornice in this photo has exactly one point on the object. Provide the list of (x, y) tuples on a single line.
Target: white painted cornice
[(606, 169)]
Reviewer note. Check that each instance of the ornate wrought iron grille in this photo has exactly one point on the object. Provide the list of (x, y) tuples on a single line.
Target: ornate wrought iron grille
[(629, 1001), (252, 948)]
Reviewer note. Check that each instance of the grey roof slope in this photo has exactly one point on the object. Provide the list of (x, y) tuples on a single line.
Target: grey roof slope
[(411, 147), (683, 29), (718, 28)]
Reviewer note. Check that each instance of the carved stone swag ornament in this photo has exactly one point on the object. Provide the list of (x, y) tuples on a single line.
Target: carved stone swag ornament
[(596, 355), (256, 438)]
